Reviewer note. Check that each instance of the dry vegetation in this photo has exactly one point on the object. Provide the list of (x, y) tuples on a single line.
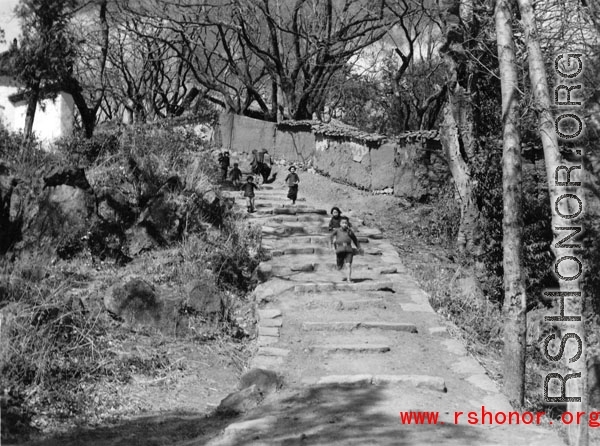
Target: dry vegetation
[(65, 361)]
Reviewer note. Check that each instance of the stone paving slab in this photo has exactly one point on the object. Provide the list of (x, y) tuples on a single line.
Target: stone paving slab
[(350, 325), (352, 348), (420, 381)]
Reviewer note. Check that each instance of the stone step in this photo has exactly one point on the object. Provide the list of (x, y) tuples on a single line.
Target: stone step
[(283, 219), (289, 211), (279, 205), (352, 348), (294, 229), (321, 240), (266, 270), (292, 250), (343, 286), (420, 381), (269, 313), (315, 250), (351, 325), (277, 198)]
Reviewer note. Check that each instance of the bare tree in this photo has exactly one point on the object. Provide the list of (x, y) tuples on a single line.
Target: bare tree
[(87, 87), (414, 82), (279, 56)]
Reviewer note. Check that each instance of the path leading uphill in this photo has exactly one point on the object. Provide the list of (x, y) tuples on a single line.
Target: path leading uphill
[(354, 356)]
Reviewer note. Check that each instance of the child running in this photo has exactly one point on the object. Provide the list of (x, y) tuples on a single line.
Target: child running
[(341, 240), (292, 181), (248, 191), (236, 175)]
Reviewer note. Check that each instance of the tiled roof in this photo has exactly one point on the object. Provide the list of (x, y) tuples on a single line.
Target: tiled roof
[(339, 129), (336, 129), (419, 134)]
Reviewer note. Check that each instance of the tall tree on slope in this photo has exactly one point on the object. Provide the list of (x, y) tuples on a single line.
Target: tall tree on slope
[(576, 359), (515, 298)]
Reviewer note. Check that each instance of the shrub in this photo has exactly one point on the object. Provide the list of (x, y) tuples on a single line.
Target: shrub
[(85, 151), (537, 234)]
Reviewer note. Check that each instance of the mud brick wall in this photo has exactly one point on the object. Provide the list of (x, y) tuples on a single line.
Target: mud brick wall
[(295, 146), (242, 134), (343, 160)]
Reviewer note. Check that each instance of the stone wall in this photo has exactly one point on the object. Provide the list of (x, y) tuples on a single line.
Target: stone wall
[(411, 166)]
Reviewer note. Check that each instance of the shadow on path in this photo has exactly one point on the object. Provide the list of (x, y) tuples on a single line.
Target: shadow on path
[(343, 415)]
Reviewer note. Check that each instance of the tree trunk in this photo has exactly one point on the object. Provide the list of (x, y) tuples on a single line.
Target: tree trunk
[(573, 306), (32, 100), (88, 117), (451, 139), (457, 132), (515, 298)]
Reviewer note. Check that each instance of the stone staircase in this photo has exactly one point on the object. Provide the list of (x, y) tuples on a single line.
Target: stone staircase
[(353, 355)]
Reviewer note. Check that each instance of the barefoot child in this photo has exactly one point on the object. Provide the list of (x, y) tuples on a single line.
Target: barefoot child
[(248, 191), (341, 240)]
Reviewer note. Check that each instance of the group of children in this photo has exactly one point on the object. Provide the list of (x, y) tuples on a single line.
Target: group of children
[(342, 236), (257, 164), (235, 174), (292, 181)]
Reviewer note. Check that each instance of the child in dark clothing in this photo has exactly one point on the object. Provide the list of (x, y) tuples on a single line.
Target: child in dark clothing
[(248, 191), (341, 240), (292, 181), (236, 175), (336, 219), (224, 161)]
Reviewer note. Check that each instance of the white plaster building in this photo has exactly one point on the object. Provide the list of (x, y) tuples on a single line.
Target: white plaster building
[(53, 116)]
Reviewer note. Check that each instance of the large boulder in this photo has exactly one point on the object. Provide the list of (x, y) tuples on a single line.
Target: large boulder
[(117, 206), (163, 218), (254, 387), (57, 220), (266, 381), (205, 301), (136, 302)]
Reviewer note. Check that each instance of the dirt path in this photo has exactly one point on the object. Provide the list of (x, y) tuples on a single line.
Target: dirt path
[(354, 355)]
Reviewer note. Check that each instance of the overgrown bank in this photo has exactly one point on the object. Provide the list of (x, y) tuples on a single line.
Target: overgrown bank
[(124, 272)]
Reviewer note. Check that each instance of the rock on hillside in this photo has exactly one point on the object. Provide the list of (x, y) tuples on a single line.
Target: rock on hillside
[(122, 213)]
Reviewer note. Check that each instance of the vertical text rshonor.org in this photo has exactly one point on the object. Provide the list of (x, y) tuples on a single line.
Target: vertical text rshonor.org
[(565, 177)]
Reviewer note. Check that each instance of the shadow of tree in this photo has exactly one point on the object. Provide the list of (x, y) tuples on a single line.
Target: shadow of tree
[(155, 430), (344, 415)]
